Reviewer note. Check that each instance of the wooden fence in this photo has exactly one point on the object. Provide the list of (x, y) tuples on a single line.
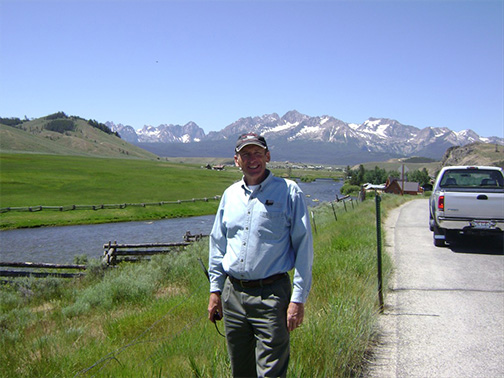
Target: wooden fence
[(29, 269), (104, 206), (113, 253)]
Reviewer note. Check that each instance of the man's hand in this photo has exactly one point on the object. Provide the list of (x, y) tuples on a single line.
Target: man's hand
[(295, 315), (214, 307)]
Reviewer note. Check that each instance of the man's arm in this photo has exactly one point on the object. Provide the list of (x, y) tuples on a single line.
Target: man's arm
[(302, 243), (217, 276)]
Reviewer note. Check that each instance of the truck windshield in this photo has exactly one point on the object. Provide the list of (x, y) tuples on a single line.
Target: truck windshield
[(471, 178)]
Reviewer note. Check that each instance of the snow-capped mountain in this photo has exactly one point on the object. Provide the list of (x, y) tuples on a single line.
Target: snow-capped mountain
[(376, 136), (127, 133), (188, 133)]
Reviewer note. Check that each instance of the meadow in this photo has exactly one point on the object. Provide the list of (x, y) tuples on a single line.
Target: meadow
[(148, 319), (32, 180), (56, 180)]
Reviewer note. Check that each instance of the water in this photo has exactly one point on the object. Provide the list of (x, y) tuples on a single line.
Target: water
[(61, 244), (323, 190)]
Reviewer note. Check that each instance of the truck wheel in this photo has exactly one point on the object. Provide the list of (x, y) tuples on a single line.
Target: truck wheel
[(438, 236)]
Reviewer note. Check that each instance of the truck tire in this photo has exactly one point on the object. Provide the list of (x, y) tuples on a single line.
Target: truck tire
[(436, 233)]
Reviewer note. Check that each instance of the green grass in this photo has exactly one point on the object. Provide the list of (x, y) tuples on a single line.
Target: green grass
[(53, 180), (30, 180), (84, 140), (149, 319)]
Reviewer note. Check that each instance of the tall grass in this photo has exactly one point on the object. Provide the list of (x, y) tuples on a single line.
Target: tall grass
[(149, 319)]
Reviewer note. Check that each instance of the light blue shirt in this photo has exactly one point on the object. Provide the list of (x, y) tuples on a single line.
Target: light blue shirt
[(259, 233)]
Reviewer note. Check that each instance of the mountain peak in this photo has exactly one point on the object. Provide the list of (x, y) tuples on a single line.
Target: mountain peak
[(374, 136)]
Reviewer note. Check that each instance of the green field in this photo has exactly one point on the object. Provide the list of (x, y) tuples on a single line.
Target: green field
[(55, 180), (149, 319), (32, 180)]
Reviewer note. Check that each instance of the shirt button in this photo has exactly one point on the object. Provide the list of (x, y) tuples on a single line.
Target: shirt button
[(244, 243)]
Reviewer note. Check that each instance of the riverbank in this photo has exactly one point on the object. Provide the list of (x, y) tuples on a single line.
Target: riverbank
[(111, 190), (150, 318)]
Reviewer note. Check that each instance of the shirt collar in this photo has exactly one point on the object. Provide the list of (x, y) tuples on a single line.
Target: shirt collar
[(262, 185)]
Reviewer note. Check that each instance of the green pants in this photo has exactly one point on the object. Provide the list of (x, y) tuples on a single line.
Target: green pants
[(256, 328)]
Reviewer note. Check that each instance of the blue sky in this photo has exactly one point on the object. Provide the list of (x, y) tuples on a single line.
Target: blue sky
[(422, 63)]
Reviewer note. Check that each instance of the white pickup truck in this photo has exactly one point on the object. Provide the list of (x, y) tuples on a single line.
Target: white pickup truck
[(466, 200)]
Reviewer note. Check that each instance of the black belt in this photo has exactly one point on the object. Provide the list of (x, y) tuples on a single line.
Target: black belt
[(257, 283)]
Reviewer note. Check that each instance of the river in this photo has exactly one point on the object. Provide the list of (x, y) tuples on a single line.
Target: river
[(61, 244)]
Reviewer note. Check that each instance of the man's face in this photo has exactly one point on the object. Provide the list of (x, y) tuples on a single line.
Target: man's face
[(252, 160)]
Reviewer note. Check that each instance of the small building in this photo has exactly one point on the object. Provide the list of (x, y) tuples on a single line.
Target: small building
[(395, 186)]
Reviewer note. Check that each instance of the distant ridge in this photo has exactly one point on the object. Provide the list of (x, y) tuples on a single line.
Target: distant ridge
[(60, 134), (293, 137), (299, 137)]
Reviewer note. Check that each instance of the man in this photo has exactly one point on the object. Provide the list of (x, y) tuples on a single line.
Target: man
[(261, 231)]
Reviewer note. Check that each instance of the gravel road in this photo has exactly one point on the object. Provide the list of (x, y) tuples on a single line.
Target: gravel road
[(444, 311)]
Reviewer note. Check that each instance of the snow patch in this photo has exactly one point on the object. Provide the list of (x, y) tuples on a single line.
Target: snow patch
[(374, 123), (309, 130), (380, 131), (279, 128), (324, 120)]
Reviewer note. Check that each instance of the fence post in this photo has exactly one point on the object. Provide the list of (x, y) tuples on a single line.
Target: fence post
[(314, 224), (334, 211), (379, 251)]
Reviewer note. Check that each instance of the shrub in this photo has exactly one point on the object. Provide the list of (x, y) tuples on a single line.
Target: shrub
[(80, 259), (129, 283), (11, 121), (56, 116), (347, 189), (60, 125)]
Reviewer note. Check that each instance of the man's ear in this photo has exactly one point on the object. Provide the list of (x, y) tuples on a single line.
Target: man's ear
[(236, 161), (268, 156)]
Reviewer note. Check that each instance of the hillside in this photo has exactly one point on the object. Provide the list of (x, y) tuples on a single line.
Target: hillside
[(63, 135), (474, 154), (471, 154)]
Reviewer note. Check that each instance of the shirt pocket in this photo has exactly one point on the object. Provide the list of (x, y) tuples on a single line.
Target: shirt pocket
[(271, 225)]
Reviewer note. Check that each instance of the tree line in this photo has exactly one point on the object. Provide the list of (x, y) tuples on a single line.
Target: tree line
[(355, 178)]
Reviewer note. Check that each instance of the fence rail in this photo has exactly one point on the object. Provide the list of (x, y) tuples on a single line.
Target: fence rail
[(114, 253), (30, 269), (104, 206)]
